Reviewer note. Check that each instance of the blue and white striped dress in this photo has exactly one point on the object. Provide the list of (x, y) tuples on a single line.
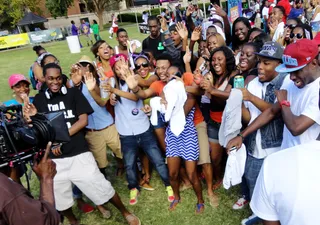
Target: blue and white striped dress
[(186, 145)]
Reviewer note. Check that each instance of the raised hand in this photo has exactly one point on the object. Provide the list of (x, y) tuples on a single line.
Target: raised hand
[(28, 108), (196, 33), (187, 56), (219, 10), (131, 80), (190, 10), (90, 81), (164, 25), (182, 30)]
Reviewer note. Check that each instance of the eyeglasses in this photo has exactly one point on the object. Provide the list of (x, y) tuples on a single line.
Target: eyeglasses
[(298, 36), (144, 65), (290, 26)]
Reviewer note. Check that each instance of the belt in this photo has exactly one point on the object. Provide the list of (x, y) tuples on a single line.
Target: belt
[(94, 130)]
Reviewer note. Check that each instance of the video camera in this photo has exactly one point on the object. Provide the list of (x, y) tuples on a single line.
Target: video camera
[(20, 141)]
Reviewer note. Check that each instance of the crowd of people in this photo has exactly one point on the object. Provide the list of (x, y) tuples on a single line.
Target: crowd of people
[(222, 113)]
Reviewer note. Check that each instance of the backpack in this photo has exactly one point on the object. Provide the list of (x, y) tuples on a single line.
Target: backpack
[(33, 80)]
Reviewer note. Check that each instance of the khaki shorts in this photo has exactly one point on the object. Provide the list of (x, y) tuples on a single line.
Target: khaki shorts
[(203, 140), (97, 141)]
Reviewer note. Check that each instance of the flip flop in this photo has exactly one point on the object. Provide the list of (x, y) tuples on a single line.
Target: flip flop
[(200, 208)]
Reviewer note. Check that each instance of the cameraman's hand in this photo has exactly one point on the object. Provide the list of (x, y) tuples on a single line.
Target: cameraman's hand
[(46, 168)]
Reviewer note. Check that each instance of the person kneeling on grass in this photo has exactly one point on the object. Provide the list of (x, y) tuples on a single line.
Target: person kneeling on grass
[(75, 164)]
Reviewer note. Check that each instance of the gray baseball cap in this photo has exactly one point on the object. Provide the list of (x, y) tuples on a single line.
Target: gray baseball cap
[(272, 50)]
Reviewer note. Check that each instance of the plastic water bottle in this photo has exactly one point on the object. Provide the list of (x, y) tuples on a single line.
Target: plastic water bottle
[(103, 93)]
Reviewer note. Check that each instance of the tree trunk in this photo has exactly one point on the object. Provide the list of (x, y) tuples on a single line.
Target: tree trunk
[(100, 18)]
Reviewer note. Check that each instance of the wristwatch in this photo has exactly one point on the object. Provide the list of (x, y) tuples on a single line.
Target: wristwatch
[(285, 103)]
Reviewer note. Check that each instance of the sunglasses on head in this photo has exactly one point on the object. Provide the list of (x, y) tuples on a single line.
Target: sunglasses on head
[(290, 26), (144, 65), (298, 36)]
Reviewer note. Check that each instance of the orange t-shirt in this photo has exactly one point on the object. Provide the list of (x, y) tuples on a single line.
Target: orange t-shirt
[(158, 86), (106, 73), (198, 117)]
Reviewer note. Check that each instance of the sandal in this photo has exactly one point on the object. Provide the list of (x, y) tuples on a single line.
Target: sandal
[(200, 208), (213, 200), (174, 204)]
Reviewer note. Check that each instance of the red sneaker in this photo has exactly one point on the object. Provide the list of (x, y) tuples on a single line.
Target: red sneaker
[(86, 208)]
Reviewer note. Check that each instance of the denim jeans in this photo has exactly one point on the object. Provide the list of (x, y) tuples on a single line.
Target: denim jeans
[(146, 141), (251, 172)]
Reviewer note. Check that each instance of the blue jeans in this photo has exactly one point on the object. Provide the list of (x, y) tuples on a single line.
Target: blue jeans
[(146, 141), (251, 172)]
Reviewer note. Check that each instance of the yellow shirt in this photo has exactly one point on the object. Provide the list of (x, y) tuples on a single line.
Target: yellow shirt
[(147, 100)]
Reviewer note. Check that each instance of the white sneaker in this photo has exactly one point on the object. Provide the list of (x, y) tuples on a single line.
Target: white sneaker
[(240, 204), (253, 219), (110, 37)]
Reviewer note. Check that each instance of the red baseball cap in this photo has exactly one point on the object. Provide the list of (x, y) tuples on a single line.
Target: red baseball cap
[(297, 55), (14, 79), (316, 39), (116, 58)]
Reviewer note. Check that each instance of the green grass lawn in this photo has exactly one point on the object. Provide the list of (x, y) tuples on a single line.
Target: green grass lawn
[(152, 207)]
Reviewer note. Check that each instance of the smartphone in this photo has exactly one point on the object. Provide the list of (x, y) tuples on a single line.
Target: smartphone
[(202, 66)]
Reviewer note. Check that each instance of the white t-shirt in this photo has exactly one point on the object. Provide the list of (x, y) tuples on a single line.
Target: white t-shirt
[(305, 102), (287, 188), (256, 7), (265, 12), (114, 20), (279, 32), (258, 89)]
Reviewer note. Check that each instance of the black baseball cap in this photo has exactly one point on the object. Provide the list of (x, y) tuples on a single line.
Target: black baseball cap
[(272, 50)]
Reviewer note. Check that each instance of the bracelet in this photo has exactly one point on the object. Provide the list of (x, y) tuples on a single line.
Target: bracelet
[(240, 135), (135, 92)]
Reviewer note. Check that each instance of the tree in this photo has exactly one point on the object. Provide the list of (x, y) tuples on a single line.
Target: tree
[(99, 6), (13, 10), (58, 7)]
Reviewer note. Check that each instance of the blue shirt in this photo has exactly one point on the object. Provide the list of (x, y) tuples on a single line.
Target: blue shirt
[(295, 13), (100, 118), (15, 102), (130, 119)]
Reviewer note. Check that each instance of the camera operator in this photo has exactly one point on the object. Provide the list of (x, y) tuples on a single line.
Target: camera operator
[(17, 206), (75, 163)]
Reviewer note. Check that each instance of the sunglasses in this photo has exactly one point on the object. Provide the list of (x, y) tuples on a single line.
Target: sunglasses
[(290, 26), (144, 65), (298, 36)]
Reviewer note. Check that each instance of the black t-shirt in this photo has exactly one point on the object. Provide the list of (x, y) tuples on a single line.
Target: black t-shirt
[(253, 72), (154, 45), (73, 104)]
